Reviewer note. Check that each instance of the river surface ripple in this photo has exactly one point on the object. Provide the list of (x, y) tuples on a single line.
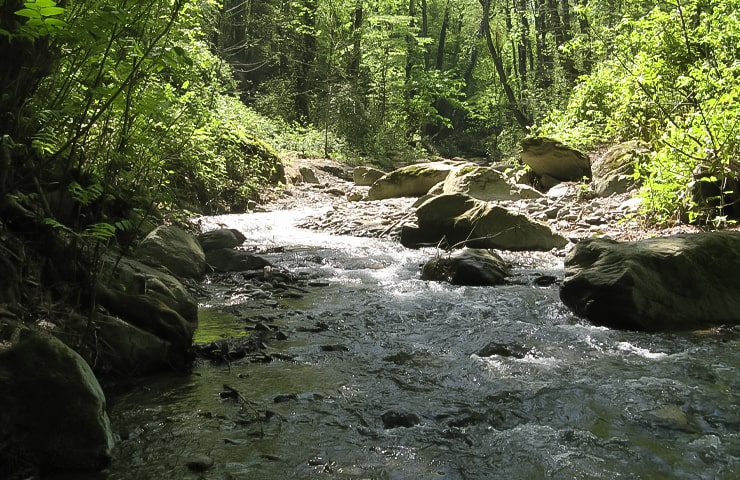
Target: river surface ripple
[(579, 402)]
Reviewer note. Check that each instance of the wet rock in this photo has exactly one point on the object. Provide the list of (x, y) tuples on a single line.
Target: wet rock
[(614, 171), (554, 159), (672, 283), (334, 348), (173, 249), (229, 260), (285, 398), (229, 349), (503, 350), (354, 196), (199, 463), (308, 175), (487, 184), (393, 419), (366, 176), (52, 408), (467, 267), (411, 181), (544, 280), (465, 221), (221, 238), (337, 192)]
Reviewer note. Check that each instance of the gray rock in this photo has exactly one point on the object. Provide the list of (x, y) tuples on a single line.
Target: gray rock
[(174, 249), (221, 238), (554, 159), (153, 316), (308, 175), (485, 183), (51, 407), (614, 171), (124, 349), (661, 284), (228, 260), (366, 176), (133, 277), (411, 181), (465, 221), (467, 267)]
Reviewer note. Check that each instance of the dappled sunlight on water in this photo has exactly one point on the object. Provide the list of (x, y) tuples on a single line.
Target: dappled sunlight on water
[(557, 398)]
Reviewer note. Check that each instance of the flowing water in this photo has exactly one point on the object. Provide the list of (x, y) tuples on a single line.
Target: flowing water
[(553, 397)]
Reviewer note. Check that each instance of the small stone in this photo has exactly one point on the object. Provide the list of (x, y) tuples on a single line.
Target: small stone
[(334, 348), (393, 419), (199, 463)]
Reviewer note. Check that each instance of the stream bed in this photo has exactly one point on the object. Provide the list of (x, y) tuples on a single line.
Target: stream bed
[(385, 376)]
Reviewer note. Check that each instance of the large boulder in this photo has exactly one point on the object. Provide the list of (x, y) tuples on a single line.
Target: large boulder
[(229, 260), (467, 267), (671, 283), (410, 181), (52, 409), (366, 176), (174, 249), (155, 317), (464, 221), (551, 159), (113, 346), (133, 277), (308, 175), (614, 171), (221, 238), (487, 184)]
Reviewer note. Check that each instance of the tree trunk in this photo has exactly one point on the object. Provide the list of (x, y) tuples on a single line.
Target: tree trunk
[(519, 114), (439, 65), (305, 62), (356, 59), (425, 31)]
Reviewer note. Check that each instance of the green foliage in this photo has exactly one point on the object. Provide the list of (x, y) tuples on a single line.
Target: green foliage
[(672, 80)]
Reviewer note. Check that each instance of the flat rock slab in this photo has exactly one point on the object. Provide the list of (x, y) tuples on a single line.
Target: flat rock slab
[(681, 282)]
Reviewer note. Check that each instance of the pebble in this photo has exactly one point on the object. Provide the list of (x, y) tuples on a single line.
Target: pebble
[(199, 463)]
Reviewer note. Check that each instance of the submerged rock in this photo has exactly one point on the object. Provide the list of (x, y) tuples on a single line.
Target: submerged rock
[(553, 159), (671, 283), (174, 249), (467, 267), (464, 221), (392, 419), (366, 176), (410, 181), (221, 238), (52, 409)]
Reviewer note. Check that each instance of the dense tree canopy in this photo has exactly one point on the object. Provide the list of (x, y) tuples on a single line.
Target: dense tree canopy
[(125, 94)]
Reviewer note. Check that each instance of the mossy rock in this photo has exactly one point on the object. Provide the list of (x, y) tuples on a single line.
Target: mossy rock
[(52, 409), (410, 181)]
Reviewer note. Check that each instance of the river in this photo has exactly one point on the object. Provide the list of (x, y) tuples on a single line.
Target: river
[(551, 396)]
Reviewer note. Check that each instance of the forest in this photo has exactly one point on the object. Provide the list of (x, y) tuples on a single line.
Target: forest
[(187, 104), (123, 118)]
